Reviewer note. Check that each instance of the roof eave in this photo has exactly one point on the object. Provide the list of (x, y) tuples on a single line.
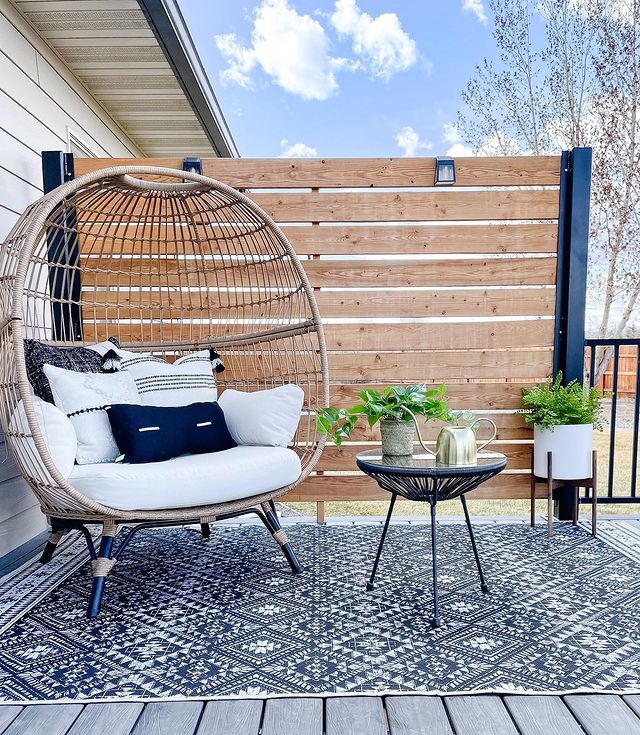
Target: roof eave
[(171, 31)]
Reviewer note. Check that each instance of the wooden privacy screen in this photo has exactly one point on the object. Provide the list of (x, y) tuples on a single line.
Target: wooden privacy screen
[(418, 284)]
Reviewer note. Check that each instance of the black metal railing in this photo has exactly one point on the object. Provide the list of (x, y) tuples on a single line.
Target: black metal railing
[(619, 384)]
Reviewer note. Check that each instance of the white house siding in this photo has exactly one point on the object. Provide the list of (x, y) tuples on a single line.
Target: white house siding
[(40, 100)]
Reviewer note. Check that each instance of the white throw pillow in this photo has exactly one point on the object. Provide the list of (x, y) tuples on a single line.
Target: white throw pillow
[(84, 397), (189, 379), (57, 431), (267, 418)]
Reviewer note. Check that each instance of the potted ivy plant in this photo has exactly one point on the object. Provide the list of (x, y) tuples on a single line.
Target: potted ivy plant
[(563, 419), (395, 408)]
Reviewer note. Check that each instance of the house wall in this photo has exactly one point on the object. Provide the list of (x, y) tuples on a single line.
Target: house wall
[(41, 102)]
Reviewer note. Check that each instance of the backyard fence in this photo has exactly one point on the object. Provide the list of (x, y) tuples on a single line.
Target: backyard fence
[(626, 380), (417, 284)]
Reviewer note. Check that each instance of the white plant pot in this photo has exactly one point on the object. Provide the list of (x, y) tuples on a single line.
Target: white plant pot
[(571, 447)]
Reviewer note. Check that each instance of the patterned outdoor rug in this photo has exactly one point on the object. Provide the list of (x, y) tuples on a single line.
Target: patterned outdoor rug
[(187, 617)]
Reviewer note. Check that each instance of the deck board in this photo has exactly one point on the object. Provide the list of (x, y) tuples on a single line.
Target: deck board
[(542, 715), (177, 718), (37, 719), (293, 716), (633, 701), (417, 716), (8, 714), (479, 715), (355, 715), (231, 717), (602, 714), (114, 718)]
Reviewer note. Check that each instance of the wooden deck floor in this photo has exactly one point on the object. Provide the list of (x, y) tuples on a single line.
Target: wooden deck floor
[(594, 714)]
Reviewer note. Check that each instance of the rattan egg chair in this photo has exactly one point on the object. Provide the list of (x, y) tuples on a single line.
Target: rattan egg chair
[(167, 262)]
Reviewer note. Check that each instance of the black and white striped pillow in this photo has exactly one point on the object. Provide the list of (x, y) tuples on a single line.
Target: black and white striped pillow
[(190, 379)]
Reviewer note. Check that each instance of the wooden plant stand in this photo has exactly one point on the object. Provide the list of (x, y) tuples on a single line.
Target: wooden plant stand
[(587, 483)]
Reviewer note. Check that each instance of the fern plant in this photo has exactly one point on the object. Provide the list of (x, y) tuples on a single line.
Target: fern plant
[(393, 402), (554, 404)]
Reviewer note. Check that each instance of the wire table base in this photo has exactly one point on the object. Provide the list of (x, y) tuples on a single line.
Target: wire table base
[(419, 478)]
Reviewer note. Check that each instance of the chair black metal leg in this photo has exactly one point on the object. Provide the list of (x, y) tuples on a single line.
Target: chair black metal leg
[(270, 520), (434, 555), (483, 585), (57, 532), (370, 584), (206, 530), (101, 567)]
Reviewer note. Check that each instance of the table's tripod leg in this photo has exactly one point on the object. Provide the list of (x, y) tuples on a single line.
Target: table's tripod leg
[(382, 538), (434, 556), (483, 585)]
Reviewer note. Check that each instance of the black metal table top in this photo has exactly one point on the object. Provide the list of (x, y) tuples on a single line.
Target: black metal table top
[(424, 465)]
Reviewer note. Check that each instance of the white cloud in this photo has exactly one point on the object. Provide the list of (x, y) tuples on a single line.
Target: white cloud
[(477, 8), (380, 44), (459, 150), (410, 142), (297, 150), (451, 135), (241, 60), (292, 49)]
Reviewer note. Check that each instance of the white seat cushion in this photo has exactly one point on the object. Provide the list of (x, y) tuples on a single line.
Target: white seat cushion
[(190, 480)]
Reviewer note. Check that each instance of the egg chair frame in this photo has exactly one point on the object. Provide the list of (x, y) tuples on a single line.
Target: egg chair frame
[(168, 262)]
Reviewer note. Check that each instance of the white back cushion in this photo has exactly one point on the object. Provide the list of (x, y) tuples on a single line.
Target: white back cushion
[(267, 418), (83, 397), (57, 431)]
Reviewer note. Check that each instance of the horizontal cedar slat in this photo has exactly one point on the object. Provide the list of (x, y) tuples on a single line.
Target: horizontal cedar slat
[(440, 303), (341, 459), (148, 272), (414, 367), (534, 271), (356, 172), (444, 336), (421, 239), (374, 337), (477, 396), (360, 487), (355, 303), (394, 239), (440, 366), (511, 426), (410, 206)]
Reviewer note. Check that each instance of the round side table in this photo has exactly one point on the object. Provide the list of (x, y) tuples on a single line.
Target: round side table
[(417, 477)]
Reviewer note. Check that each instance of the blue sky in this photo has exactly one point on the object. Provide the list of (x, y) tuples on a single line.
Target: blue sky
[(340, 77)]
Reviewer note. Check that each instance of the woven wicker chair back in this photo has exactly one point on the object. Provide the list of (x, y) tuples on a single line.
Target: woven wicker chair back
[(168, 262)]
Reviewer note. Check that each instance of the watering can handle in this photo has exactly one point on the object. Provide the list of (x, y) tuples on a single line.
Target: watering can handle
[(415, 421), (493, 436)]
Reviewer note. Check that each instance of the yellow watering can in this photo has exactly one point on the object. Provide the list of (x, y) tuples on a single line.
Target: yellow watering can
[(457, 446)]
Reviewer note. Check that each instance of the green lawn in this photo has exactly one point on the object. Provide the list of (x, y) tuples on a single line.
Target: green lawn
[(622, 478)]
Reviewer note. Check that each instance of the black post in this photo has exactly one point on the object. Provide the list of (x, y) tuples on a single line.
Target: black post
[(62, 250), (571, 280)]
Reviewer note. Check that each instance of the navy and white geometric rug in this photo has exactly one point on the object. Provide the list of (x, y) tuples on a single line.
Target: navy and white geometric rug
[(188, 617)]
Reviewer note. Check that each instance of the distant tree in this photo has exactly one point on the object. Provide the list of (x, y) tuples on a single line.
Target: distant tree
[(567, 73)]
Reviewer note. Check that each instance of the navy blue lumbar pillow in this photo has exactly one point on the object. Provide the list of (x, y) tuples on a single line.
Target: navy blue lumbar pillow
[(157, 433)]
